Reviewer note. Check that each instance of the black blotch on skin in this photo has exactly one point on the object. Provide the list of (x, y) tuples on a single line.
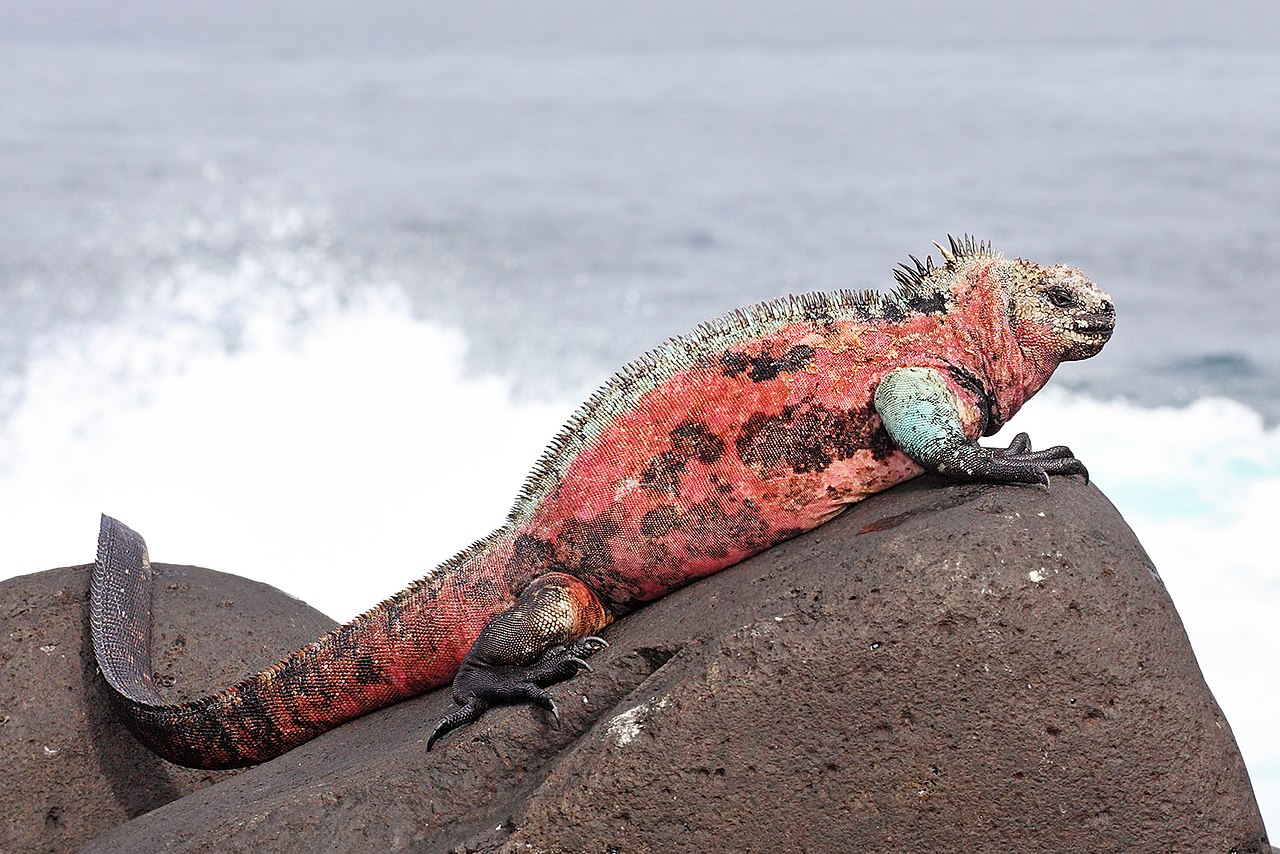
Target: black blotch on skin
[(254, 722), (969, 381), (662, 472), (431, 592), (733, 363), (584, 546), (584, 550), (367, 671), (344, 645), (766, 366), (711, 530), (927, 303), (809, 437), (868, 432), (760, 441), (818, 315), (390, 616), (817, 437), (893, 311), (786, 533), (693, 439), (531, 553), (866, 311), (658, 521), (690, 440)]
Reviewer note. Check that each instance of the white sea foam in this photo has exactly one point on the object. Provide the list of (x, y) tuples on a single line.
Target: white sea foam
[(342, 458), (338, 462)]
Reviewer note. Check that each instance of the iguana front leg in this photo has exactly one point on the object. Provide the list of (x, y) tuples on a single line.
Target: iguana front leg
[(540, 640), (921, 414)]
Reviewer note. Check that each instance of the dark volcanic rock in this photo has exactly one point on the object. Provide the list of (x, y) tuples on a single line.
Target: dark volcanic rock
[(948, 667), (71, 771)]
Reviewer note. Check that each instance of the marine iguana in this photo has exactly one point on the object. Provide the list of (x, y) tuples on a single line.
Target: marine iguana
[(719, 443)]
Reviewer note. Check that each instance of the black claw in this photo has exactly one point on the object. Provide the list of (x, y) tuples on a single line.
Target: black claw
[(469, 713), (541, 698), (582, 664)]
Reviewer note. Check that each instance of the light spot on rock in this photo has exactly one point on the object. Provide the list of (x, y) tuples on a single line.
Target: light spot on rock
[(1038, 575), (626, 727)]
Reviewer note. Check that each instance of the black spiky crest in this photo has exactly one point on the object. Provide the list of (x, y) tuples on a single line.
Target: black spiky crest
[(918, 272), (914, 274)]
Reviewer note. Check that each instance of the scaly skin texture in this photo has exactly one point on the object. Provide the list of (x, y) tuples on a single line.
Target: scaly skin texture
[(750, 429)]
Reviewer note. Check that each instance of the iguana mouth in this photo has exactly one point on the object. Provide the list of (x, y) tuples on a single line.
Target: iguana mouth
[(1097, 326)]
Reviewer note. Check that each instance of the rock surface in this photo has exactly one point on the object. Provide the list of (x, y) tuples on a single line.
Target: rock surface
[(947, 667), (71, 772)]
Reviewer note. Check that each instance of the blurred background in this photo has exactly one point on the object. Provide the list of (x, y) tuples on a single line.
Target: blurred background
[(300, 289)]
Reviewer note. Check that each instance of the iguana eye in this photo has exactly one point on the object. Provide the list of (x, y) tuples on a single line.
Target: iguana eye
[(1060, 298)]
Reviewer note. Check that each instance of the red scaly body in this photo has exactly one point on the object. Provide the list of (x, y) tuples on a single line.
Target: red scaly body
[(715, 446)]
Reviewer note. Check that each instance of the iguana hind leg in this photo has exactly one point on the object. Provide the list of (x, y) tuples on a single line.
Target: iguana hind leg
[(542, 639)]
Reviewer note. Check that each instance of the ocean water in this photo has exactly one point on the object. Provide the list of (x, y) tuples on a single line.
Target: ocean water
[(301, 293)]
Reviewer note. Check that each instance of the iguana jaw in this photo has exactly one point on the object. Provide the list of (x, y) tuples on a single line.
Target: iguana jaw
[(1090, 334)]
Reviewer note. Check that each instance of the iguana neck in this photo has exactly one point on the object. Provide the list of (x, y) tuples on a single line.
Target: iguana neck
[(1011, 372)]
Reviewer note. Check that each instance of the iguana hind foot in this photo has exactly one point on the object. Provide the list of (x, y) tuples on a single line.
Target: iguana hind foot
[(484, 686), (540, 640)]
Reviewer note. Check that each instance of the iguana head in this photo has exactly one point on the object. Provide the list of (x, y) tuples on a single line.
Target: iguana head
[(1056, 313), (1023, 318)]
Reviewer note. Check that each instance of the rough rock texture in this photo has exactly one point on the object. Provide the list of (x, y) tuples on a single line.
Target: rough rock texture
[(70, 771), (947, 667)]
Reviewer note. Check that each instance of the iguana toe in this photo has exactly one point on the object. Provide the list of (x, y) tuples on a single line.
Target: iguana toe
[(1021, 444), (468, 713), (1017, 463)]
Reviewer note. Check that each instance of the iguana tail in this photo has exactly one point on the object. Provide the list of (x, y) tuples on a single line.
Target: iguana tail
[(402, 647)]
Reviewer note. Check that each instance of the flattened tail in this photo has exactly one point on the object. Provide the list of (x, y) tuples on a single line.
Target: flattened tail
[(351, 671), (120, 612), (120, 623)]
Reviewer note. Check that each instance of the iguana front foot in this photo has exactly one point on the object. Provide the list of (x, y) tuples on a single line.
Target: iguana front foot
[(921, 413), (1019, 460), (1010, 465), (480, 686)]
